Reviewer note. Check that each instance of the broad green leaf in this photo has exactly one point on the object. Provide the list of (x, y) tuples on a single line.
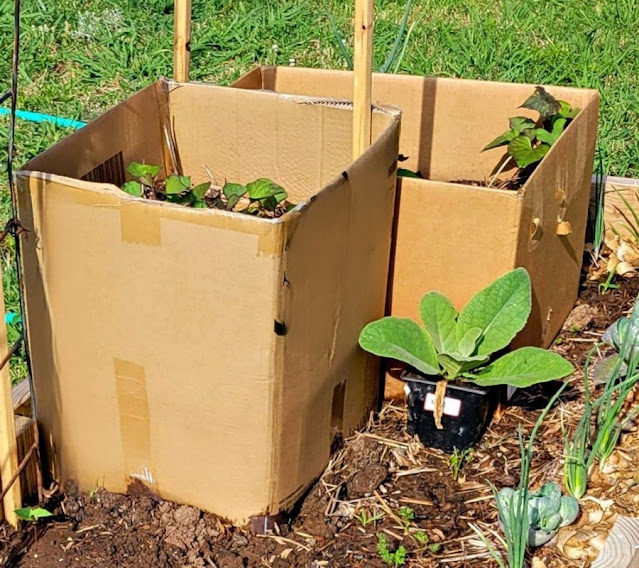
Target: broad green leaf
[(200, 190), (500, 310), (558, 126), (523, 153), (139, 170), (440, 320), (468, 342), (543, 102), (401, 339), (32, 513), (521, 123), (236, 189), (455, 364), (502, 139), (263, 188), (524, 367), (133, 188), (200, 204), (175, 184), (567, 111)]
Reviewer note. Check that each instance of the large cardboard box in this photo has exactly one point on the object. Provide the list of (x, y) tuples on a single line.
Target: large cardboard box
[(454, 237), (210, 354)]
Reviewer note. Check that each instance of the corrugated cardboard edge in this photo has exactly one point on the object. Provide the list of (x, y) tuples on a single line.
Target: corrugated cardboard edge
[(279, 501)]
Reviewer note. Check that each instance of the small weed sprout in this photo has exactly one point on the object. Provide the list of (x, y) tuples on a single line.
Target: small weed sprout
[(422, 538), (458, 460), (397, 558), (366, 518), (32, 514), (407, 515)]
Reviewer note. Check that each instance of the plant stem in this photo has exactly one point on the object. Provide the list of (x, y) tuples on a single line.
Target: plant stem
[(438, 411), (501, 169)]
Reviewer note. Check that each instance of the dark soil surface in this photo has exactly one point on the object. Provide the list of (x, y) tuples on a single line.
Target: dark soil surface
[(381, 482)]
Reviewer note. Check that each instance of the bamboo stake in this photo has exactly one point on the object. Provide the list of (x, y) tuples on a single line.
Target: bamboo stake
[(8, 446), (182, 40), (362, 62)]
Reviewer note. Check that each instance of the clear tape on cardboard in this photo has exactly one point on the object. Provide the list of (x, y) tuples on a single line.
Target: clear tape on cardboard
[(133, 411)]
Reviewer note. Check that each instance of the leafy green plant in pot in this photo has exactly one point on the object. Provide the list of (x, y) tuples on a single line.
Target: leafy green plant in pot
[(461, 346)]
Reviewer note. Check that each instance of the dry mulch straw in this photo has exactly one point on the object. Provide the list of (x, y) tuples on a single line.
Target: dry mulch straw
[(380, 473)]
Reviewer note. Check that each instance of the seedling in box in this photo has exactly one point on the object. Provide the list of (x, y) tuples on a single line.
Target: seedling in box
[(530, 140), (262, 197)]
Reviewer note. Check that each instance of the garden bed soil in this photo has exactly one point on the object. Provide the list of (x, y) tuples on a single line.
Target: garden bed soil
[(378, 472)]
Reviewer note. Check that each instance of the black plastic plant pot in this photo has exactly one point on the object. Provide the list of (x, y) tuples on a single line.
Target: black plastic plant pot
[(468, 410)]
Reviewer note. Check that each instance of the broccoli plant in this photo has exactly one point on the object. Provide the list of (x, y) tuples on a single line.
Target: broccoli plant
[(548, 511), (262, 197), (453, 345), (530, 140)]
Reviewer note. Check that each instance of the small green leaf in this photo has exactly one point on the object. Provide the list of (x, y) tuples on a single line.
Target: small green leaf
[(139, 170), (133, 188), (200, 204), (455, 364), (263, 188), (175, 184), (440, 320), (524, 154), (558, 126), (182, 199), (521, 123), (231, 189), (567, 111), (543, 102), (402, 172), (146, 180), (500, 310), (468, 342), (269, 203), (502, 139), (401, 339), (200, 190), (524, 367), (32, 513), (232, 201)]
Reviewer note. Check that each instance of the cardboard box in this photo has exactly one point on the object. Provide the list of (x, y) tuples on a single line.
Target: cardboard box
[(454, 237), (209, 354), (618, 215)]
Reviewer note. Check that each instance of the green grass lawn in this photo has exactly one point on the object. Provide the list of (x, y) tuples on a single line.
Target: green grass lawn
[(81, 57)]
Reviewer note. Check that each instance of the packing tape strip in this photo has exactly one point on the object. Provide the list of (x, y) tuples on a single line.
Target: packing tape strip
[(141, 223), (133, 410)]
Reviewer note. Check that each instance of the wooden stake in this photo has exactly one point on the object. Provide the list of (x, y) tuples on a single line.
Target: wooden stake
[(362, 62), (8, 446), (182, 40)]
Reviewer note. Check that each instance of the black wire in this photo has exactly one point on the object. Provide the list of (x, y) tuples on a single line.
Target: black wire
[(14, 195)]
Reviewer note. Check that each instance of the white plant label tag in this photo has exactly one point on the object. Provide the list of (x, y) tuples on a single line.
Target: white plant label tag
[(452, 406)]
